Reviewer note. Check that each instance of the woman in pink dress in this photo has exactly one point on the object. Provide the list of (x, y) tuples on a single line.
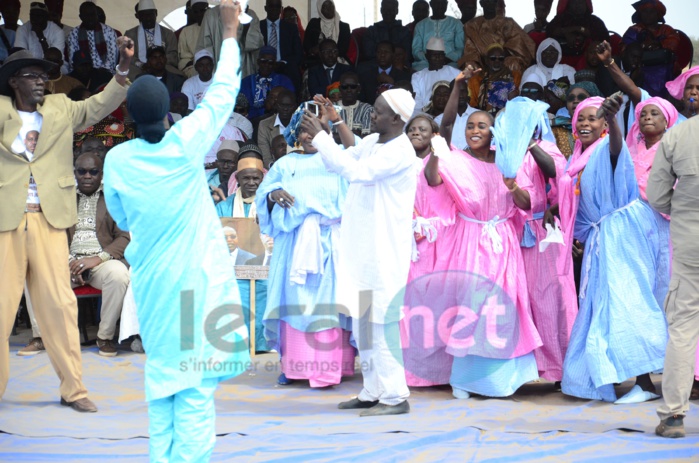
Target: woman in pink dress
[(552, 296), (482, 310)]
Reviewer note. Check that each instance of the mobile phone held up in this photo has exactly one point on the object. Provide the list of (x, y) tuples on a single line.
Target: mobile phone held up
[(312, 108)]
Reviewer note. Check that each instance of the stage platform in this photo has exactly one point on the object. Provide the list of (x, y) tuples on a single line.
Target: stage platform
[(259, 421)]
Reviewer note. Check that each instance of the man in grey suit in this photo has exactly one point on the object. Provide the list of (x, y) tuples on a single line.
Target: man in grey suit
[(238, 256)]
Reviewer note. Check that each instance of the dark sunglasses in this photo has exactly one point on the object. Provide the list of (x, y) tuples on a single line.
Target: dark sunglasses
[(530, 90), (80, 171), (349, 86), (265, 61), (34, 76), (579, 97), (496, 58)]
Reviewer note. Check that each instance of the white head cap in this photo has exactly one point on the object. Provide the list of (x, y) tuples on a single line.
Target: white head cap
[(400, 101), (146, 5), (435, 44)]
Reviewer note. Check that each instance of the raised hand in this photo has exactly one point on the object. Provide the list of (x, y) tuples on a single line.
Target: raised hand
[(126, 49), (230, 10), (604, 53), (311, 124)]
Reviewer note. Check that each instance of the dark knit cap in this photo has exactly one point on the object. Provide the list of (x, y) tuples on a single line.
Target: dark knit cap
[(148, 102)]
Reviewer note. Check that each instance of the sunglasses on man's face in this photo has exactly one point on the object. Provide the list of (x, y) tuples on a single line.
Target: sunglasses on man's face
[(496, 58), (34, 76), (349, 86), (80, 171), (525, 91), (265, 61)]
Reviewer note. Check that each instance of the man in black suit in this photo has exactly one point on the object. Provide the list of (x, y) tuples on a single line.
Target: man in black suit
[(329, 71), (372, 74), (285, 38)]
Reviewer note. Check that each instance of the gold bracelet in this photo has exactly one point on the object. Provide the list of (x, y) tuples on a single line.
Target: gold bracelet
[(610, 63)]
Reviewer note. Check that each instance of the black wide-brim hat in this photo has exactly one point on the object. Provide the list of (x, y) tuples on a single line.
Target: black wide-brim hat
[(16, 61)]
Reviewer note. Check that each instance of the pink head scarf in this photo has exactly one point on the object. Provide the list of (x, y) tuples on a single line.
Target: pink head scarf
[(643, 157), (676, 87), (568, 199), (665, 107)]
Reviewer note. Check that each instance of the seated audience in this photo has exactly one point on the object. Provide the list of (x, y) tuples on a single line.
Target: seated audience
[(256, 86), (93, 39), (83, 70), (555, 78), (438, 99), (8, 10), (275, 125), (195, 87), (421, 10), (468, 9), (378, 75), (328, 71), (285, 39), (483, 31), (39, 34), (327, 26), (226, 164), (241, 203), (661, 45), (463, 111), (179, 105), (291, 16), (537, 29), (496, 84), (58, 82), (188, 37), (389, 29), (149, 34), (279, 148), (574, 27), (423, 81), (439, 25), (355, 113), (239, 117), (156, 65)]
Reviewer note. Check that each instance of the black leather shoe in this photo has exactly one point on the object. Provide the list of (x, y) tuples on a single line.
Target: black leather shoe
[(383, 409), (356, 403), (83, 405)]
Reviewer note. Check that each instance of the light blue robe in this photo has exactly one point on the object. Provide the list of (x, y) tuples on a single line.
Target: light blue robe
[(316, 191), (159, 193), (225, 209), (620, 331), (449, 29)]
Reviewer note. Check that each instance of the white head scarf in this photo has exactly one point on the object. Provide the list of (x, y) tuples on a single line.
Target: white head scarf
[(554, 73), (400, 101), (329, 27)]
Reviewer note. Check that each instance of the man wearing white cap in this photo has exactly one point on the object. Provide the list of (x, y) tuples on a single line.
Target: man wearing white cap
[(424, 80), (195, 87), (149, 34), (189, 36), (448, 28), (375, 245)]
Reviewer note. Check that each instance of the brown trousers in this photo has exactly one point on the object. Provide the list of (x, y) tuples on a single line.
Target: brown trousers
[(682, 312), (37, 252)]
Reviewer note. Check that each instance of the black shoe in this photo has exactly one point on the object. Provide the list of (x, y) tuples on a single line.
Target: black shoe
[(672, 427), (356, 403), (383, 409)]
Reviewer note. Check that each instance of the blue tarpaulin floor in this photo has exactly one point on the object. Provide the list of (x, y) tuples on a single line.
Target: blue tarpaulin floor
[(260, 421)]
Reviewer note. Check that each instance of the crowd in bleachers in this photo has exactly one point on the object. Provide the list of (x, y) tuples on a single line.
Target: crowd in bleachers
[(463, 74), (326, 56)]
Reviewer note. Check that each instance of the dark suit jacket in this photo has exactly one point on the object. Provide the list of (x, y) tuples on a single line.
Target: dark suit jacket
[(318, 79), (368, 73), (112, 239), (312, 38), (291, 49)]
